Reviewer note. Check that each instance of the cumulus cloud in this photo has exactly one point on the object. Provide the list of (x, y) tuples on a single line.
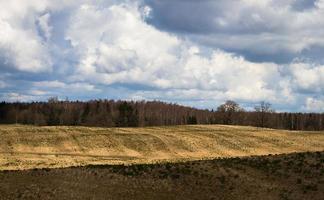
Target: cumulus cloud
[(123, 48), (20, 45), (308, 77), (128, 50), (279, 29), (25, 30), (135, 48)]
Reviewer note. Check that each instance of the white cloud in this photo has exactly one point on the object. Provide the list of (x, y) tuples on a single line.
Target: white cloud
[(38, 92), (125, 49), (113, 44), (20, 45), (314, 105), (308, 77), (50, 84), (254, 26), (82, 87), (17, 97), (72, 87)]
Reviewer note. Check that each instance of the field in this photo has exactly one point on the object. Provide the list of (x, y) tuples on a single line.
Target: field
[(176, 162), (29, 147), (292, 176)]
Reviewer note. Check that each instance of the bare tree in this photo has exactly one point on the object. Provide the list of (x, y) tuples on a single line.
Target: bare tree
[(229, 108), (110, 113), (53, 100), (263, 110)]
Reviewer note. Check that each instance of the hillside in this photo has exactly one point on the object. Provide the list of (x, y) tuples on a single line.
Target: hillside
[(276, 177), (26, 147)]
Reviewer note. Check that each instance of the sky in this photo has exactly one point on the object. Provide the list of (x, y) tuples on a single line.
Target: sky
[(194, 53)]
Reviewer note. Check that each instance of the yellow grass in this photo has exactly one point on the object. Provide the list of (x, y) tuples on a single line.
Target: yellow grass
[(26, 147)]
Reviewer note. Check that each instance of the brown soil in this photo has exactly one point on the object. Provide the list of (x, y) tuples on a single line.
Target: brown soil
[(289, 176)]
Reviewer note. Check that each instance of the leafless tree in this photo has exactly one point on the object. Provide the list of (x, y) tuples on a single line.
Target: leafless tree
[(109, 113), (228, 109), (263, 110)]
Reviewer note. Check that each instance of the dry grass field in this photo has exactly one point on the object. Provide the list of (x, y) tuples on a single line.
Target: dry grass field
[(28, 147)]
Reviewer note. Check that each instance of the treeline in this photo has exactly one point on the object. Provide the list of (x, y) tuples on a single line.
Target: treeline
[(107, 113), (110, 113)]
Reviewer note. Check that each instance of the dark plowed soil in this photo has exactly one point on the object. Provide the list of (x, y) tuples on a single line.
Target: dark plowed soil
[(293, 176)]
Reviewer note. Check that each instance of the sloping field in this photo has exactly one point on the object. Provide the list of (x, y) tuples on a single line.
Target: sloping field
[(297, 176), (26, 147)]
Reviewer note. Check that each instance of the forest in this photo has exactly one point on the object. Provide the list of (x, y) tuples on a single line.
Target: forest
[(111, 113)]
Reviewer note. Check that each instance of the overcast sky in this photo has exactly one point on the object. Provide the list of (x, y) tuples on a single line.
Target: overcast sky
[(196, 53)]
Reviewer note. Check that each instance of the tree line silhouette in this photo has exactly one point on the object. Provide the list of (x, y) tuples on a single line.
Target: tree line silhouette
[(110, 113)]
